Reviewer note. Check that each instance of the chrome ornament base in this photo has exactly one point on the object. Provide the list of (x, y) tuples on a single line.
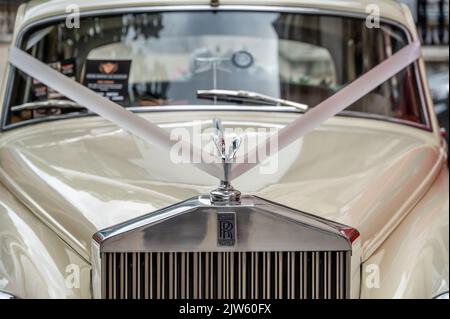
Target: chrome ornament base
[(225, 194)]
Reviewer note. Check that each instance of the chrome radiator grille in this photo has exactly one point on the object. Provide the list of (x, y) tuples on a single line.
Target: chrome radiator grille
[(224, 275)]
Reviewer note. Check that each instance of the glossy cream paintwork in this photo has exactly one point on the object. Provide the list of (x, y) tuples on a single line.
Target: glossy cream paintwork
[(76, 163), (78, 176), (34, 261), (413, 262)]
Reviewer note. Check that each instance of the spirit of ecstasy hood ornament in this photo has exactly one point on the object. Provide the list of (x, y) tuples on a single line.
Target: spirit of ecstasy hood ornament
[(225, 193)]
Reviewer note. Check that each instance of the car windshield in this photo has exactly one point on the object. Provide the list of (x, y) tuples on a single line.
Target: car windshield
[(144, 60)]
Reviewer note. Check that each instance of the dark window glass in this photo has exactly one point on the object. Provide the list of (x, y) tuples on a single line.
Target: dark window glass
[(304, 58)]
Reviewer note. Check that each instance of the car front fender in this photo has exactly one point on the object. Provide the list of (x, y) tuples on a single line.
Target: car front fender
[(413, 262), (34, 261)]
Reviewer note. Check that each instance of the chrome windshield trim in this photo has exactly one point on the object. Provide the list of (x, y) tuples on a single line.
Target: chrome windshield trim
[(219, 108), (171, 8)]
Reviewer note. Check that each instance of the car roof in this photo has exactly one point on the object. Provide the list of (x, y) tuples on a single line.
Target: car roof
[(36, 10)]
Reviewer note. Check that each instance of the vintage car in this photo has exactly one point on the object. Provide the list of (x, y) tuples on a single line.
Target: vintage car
[(354, 206)]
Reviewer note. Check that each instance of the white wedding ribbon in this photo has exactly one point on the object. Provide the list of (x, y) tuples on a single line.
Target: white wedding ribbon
[(161, 138), (107, 109), (330, 107)]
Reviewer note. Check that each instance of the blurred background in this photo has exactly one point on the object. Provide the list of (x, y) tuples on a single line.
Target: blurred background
[(431, 16)]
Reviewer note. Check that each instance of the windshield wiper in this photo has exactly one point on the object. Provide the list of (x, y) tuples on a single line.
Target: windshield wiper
[(230, 95), (62, 104)]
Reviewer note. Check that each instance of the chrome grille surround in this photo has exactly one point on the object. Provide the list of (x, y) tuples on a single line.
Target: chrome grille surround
[(174, 253)]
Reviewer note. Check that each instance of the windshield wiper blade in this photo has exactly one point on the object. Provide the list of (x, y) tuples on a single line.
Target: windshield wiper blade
[(248, 96), (62, 104)]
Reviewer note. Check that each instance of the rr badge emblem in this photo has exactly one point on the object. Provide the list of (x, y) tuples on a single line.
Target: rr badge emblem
[(226, 229)]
